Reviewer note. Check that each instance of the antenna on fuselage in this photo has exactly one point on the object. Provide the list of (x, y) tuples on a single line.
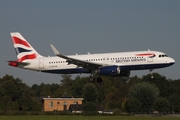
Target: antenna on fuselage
[(149, 50)]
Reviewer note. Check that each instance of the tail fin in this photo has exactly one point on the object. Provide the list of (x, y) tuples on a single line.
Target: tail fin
[(23, 49)]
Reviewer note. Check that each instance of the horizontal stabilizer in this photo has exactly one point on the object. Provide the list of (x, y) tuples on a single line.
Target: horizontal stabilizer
[(17, 64)]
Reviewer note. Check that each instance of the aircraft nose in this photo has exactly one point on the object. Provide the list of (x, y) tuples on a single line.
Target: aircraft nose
[(172, 61)]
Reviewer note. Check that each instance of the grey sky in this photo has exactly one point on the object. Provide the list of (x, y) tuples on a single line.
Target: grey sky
[(94, 26)]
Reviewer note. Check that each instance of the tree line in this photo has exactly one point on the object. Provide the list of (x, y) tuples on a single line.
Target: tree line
[(133, 95)]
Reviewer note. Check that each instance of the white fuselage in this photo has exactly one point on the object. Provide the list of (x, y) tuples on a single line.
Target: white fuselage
[(138, 60)]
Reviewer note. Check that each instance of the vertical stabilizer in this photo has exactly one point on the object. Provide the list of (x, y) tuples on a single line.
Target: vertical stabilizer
[(23, 49)]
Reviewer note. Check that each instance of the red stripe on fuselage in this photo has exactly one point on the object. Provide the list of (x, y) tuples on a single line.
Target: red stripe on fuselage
[(17, 40), (31, 56), (145, 54)]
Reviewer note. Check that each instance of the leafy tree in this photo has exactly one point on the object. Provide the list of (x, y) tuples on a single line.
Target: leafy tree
[(6, 104), (44, 89), (77, 87), (161, 104), (90, 93), (58, 93), (174, 102), (24, 103), (161, 82), (115, 91), (90, 98), (35, 89), (66, 78), (16, 95), (134, 80), (54, 88), (89, 106), (2, 92), (133, 105), (174, 97), (35, 106), (66, 84), (111, 102), (15, 106), (146, 93)]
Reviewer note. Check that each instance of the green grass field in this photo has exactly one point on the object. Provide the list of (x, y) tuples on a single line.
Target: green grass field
[(52, 117)]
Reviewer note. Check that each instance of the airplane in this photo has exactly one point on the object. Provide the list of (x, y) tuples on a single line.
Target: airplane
[(118, 64)]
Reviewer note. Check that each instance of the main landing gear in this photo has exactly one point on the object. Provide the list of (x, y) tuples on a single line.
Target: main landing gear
[(92, 79), (99, 80)]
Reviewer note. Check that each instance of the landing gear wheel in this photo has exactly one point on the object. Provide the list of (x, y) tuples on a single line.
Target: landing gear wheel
[(99, 80), (91, 79)]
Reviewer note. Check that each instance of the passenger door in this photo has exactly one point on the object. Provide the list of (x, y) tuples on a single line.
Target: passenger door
[(41, 63), (149, 59)]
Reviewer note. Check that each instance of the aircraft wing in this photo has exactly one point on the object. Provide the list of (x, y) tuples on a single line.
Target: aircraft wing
[(79, 63)]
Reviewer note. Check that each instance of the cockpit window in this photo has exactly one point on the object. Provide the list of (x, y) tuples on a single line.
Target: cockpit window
[(163, 55)]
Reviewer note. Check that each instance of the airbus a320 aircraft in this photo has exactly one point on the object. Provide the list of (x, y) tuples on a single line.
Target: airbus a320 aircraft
[(111, 64)]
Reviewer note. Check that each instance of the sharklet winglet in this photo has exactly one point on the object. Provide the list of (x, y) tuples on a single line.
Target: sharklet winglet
[(56, 52)]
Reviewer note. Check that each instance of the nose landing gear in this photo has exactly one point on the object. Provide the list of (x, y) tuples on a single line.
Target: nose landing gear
[(151, 72)]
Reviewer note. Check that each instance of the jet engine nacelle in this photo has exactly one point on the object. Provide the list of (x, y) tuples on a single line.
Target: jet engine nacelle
[(113, 71)]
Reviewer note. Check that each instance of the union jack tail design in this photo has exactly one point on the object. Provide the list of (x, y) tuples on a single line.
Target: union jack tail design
[(23, 49)]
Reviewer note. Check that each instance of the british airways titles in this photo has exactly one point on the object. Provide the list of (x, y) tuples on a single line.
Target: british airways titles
[(131, 60)]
